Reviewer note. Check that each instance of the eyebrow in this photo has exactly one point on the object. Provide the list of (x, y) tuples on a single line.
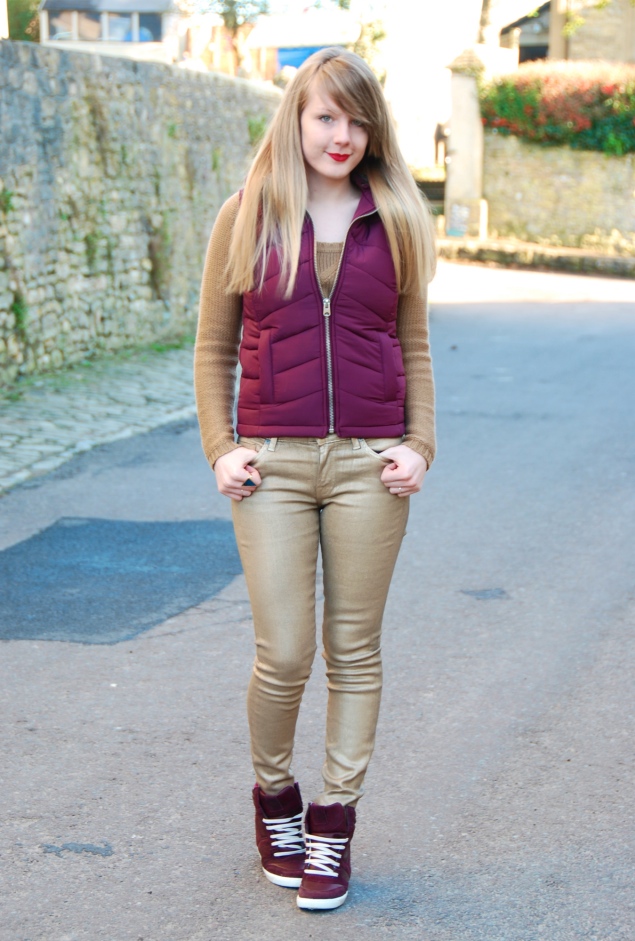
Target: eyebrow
[(327, 109)]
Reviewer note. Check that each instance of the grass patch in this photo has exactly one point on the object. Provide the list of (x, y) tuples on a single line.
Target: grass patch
[(180, 344), (90, 369), (256, 127), (160, 252), (6, 201), (92, 241), (110, 264), (20, 312)]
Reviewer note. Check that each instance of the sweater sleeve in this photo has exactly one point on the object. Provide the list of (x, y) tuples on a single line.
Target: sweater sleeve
[(217, 341), (412, 331)]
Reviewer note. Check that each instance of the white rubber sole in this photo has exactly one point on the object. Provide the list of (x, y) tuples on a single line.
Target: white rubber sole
[(287, 881), (321, 904)]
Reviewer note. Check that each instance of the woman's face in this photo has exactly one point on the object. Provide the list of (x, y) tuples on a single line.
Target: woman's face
[(333, 144)]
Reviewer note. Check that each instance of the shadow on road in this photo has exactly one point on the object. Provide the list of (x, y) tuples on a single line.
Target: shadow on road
[(100, 581)]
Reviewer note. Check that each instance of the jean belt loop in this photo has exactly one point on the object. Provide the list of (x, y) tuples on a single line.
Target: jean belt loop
[(273, 443), (356, 444)]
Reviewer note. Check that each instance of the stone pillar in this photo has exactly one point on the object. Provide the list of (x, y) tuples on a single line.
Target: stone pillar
[(465, 208), (511, 40)]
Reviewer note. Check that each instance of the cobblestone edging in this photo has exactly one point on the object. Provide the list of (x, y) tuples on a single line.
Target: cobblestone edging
[(528, 255), (61, 416)]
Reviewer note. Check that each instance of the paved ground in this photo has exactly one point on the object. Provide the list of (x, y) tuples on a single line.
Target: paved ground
[(53, 419), (499, 800)]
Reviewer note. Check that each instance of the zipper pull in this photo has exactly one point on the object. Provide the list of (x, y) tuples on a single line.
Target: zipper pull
[(327, 306)]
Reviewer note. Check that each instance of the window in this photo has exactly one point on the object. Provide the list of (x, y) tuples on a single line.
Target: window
[(61, 25), (532, 53), (89, 26), (120, 27), (150, 27)]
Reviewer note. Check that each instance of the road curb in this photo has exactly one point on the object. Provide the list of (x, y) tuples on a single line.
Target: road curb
[(526, 255), (87, 444)]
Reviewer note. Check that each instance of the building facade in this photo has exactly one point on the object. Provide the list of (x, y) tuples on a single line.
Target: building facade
[(574, 29), (155, 30)]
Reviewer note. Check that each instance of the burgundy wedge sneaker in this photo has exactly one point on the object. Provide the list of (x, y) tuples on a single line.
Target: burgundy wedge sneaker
[(328, 831), (279, 835)]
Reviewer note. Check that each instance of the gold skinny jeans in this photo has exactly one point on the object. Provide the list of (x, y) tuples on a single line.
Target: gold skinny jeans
[(327, 493)]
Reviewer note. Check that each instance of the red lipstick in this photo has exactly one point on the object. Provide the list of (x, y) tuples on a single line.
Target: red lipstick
[(340, 158)]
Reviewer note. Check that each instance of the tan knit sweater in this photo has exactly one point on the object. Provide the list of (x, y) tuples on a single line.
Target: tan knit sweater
[(218, 338)]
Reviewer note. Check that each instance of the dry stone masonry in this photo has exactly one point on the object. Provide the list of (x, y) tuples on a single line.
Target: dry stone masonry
[(559, 196), (111, 175)]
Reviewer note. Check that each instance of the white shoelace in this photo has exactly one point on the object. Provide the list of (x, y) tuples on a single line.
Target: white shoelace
[(286, 834), (324, 854)]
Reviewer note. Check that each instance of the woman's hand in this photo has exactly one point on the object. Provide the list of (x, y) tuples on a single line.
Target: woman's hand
[(233, 469), (404, 475)]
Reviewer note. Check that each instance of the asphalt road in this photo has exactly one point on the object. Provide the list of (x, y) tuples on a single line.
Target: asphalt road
[(499, 801)]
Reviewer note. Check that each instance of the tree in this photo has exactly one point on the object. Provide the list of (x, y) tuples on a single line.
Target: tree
[(367, 46), (371, 34), (236, 15), (24, 22), (342, 4), (484, 22)]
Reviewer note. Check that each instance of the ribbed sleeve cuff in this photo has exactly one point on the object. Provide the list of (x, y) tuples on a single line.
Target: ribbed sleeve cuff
[(421, 447), (222, 447)]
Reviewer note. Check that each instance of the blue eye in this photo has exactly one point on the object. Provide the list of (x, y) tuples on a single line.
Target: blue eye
[(325, 118), (356, 123)]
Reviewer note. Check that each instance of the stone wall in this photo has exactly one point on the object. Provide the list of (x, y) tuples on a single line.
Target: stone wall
[(111, 175), (559, 196), (603, 31), (607, 32)]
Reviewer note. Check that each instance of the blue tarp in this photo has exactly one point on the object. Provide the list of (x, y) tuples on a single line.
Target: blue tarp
[(296, 56)]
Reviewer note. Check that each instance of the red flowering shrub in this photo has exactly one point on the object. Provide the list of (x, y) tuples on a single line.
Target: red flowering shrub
[(588, 105)]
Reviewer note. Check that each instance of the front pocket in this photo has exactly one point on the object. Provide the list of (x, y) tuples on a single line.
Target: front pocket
[(254, 444), (386, 443)]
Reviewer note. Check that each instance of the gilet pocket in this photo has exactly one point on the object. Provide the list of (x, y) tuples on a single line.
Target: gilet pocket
[(389, 368), (265, 360)]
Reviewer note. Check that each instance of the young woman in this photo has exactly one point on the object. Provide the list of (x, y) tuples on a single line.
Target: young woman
[(317, 274)]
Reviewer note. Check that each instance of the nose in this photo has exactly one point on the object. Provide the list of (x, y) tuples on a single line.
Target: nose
[(341, 133)]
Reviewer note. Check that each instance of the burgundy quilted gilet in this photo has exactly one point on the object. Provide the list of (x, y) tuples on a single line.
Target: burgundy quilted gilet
[(305, 373)]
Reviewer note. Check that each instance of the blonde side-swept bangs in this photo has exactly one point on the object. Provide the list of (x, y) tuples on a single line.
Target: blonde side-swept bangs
[(274, 199)]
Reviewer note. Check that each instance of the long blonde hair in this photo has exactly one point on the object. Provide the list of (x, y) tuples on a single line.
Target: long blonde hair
[(274, 200)]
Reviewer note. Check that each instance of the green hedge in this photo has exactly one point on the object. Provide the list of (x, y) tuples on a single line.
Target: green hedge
[(587, 105)]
